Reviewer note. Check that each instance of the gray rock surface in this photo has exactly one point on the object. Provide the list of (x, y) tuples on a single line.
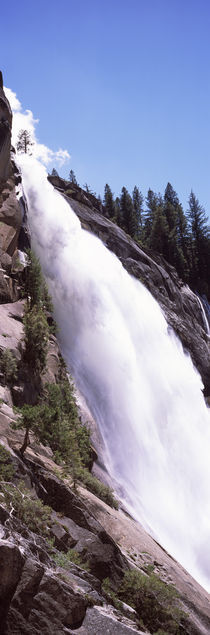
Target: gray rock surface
[(104, 620)]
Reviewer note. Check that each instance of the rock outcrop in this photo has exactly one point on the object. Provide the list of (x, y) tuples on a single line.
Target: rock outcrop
[(5, 134), (180, 305)]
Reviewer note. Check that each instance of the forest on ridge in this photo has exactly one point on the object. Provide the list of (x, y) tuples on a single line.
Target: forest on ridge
[(159, 223)]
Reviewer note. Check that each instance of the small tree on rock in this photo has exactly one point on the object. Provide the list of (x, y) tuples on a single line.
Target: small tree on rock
[(8, 366), (24, 143), (36, 340), (72, 177)]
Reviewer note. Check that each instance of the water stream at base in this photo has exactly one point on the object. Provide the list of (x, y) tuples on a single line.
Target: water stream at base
[(141, 388)]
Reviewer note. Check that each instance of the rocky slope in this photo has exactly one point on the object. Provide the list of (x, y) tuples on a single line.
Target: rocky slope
[(41, 589)]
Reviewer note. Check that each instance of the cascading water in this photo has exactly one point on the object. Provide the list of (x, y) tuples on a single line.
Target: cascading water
[(205, 308), (142, 389)]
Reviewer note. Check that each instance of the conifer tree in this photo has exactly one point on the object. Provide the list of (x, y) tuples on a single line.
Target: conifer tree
[(152, 205), (158, 239), (118, 211), (24, 142), (108, 202), (72, 177), (200, 243), (127, 213), (138, 210)]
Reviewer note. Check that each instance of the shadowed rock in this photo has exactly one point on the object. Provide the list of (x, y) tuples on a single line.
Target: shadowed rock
[(5, 133)]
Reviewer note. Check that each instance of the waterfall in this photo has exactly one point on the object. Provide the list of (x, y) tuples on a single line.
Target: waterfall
[(141, 388), (203, 302)]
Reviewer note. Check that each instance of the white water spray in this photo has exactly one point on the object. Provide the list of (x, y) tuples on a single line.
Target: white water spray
[(141, 388), (205, 319)]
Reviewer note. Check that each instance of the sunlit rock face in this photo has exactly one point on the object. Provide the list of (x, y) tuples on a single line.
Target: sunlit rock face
[(5, 134)]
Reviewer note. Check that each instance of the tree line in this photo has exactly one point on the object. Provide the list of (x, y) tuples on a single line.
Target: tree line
[(160, 224)]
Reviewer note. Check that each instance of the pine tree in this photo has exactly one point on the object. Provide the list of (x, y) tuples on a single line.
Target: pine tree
[(152, 205), (24, 143), (36, 332), (72, 177), (118, 211), (108, 202), (158, 239), (129, 223), (200, 243), (54, 172), (177, 225), (138, 211)]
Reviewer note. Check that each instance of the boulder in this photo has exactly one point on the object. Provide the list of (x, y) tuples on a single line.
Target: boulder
[(104, 620)]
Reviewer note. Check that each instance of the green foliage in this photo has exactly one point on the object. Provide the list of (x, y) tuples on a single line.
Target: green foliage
[(155, 602), (21, 504), (138, 211), (8, 366), (72, 556), (127, 213), (61, 427), (199, 246), (7, 470), (182, 239), (96, 487), (110, 594), (36, 339), (108, 202), (35, 285), (55, 422), (29, 420)]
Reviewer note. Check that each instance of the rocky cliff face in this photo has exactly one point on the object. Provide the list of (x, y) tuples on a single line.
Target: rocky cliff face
[(179, 304), (5, 133), (12, 230)]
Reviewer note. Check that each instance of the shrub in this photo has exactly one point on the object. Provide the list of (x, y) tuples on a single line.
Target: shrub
[(35, 285), (36, 340), (7, 469), (29, 420), (155, 602), (61, 427), (99, 489), (8, 366), (20, 502), (110, 594), (72, 556)]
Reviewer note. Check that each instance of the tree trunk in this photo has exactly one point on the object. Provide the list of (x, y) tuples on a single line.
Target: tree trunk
[(25, 441)]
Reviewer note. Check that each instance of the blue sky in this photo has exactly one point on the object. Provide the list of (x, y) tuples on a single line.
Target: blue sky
[(123, 85)]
